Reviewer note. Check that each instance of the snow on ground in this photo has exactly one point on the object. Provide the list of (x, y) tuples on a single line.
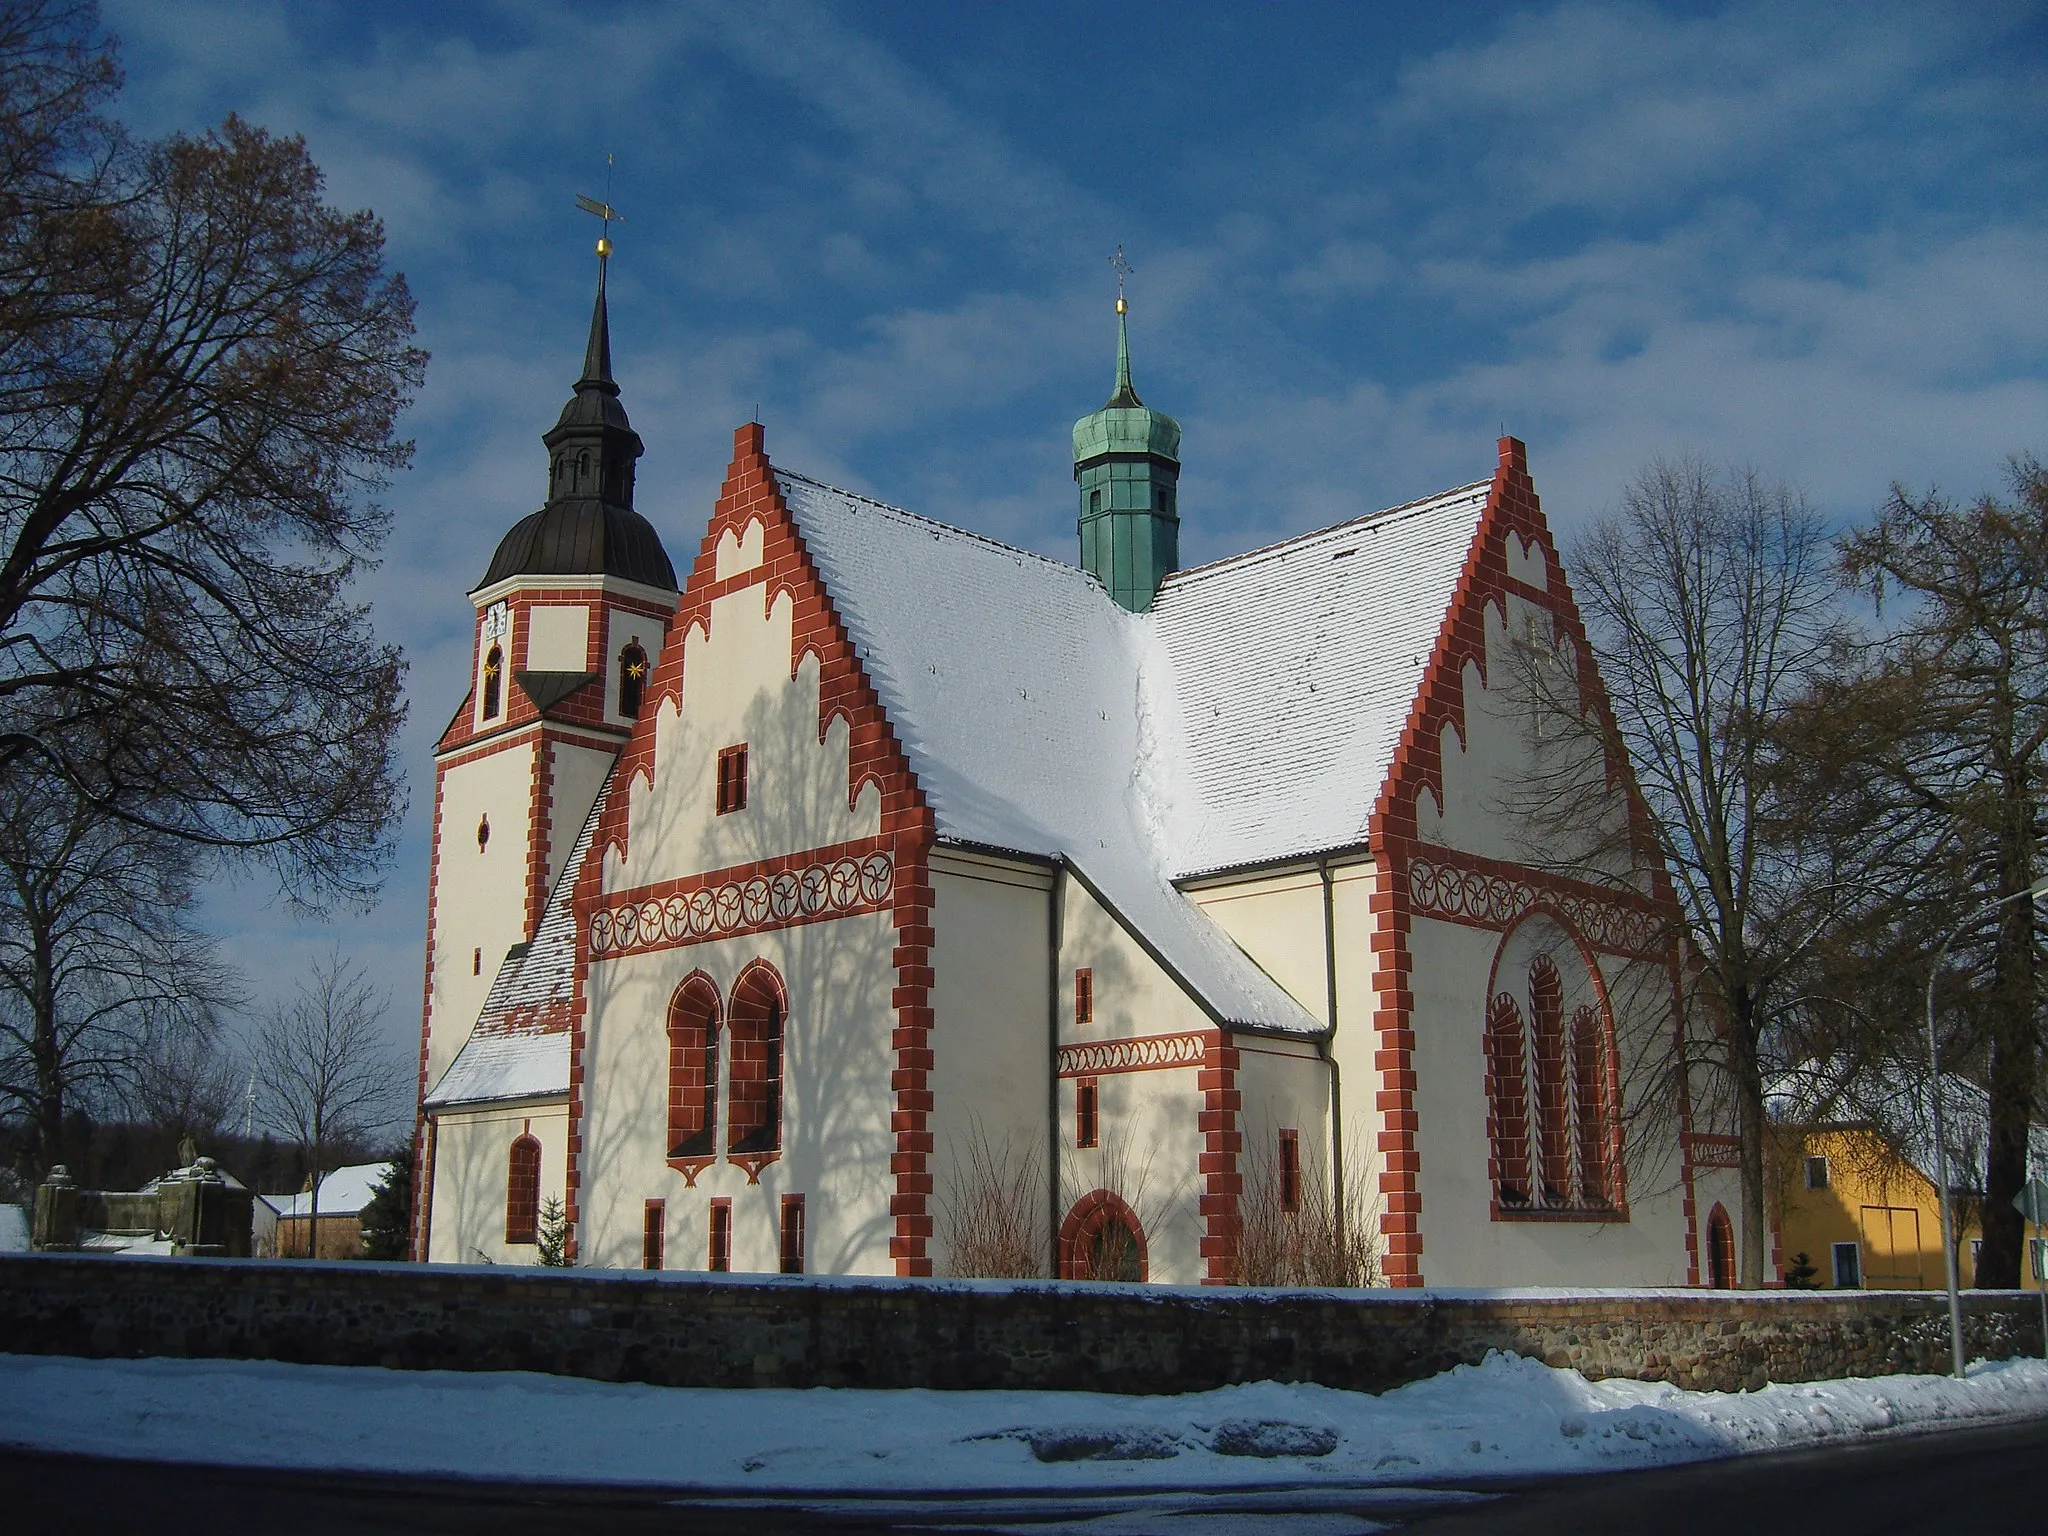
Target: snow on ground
[(1506, 1417)]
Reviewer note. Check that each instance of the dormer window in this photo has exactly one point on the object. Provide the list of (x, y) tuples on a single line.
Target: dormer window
[(494, 679), (632, 680)]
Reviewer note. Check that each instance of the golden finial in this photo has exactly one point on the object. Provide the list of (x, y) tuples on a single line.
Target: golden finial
[(1123, 270)]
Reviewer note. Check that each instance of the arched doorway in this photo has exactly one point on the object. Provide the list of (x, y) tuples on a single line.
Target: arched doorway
[(1102, 1239), (1720, 1249)]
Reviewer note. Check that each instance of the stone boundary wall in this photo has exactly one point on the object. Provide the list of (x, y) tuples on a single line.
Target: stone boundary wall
[(763, 1331)]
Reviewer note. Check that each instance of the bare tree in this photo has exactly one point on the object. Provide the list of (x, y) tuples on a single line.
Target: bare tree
[(1710, 599), (991, 1220), (201, 366), (324, 1072), (1932, 740), (101, 970)]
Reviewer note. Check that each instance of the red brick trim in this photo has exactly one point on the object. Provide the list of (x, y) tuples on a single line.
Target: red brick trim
[(539, 818), (1222, 1185), (1090, 1213), (1512, 508), (423, 1190)]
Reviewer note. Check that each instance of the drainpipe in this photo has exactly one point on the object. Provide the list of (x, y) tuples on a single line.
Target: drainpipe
[(1052, 1076), (1325, 1047)]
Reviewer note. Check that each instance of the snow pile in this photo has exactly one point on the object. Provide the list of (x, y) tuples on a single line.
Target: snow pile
[(1506, 1417)]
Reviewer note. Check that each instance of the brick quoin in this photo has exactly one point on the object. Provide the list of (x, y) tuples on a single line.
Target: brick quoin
[(750, 494), (1222, 1141), (1512, 508)]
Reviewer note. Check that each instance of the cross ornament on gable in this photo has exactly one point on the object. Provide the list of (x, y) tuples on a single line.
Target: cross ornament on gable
[(1123, 270)]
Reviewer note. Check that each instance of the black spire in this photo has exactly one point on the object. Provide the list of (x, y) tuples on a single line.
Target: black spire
[(588, 526)]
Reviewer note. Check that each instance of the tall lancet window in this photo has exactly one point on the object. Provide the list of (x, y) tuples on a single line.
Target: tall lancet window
[(494, 681), (757, 1014), (693, 1069), (632, 680)]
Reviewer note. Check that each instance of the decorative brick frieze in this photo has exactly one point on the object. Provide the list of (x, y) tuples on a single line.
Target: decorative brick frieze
[(1140, 1053), (1714, 1151), (767, 894), (1486, 893)]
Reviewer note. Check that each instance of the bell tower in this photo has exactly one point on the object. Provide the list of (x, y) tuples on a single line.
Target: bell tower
[(570, 621), (1127, 465)]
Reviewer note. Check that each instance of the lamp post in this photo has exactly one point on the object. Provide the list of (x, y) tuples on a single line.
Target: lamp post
[(1948, 1240)]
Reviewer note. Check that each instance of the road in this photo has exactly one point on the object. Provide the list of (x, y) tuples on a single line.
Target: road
[(1983, 1478)]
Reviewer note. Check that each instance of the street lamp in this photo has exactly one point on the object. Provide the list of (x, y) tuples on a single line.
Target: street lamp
[(2034, 892)]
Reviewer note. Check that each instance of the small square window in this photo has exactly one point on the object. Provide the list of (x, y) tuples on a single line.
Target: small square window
[(1084, 1112), (721, 1236), (732, 780), (1084, 996), (1848, 1267), (1816, 1173), (653, 1234), (792, 1234), (1290, 1170)]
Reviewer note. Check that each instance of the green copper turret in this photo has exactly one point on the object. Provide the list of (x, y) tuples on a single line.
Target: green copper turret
[(1127, 464)]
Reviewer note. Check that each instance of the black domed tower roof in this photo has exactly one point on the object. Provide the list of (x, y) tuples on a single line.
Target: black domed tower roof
[(588, 527)]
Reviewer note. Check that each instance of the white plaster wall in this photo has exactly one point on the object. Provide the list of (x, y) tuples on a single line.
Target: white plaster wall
[(472, 1156), (1278, 920), (737, 688), (836, 1103), (1284, 1087), (991, 1045), (1462, 1244), (1150, 1142), (479, 897), (558, 638), (1487, 808), (578, 776)]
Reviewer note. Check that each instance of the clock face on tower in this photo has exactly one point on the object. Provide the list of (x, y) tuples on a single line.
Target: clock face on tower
[(497, 621)]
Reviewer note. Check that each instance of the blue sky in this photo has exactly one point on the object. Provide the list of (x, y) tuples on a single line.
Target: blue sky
[(1808, 237)]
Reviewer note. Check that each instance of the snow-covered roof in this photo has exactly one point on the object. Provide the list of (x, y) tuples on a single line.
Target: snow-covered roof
[(1251, 716), (1294, 668), (344, 1192), (519, 1048)]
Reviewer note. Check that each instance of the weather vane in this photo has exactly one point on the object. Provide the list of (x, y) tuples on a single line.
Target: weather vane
[(605, 212), (1123, 270)]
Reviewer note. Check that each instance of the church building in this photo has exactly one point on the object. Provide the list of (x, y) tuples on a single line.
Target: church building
[(869, 897)]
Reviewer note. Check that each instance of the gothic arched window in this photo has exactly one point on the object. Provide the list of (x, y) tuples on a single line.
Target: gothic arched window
[(632, 680), (1507, 1067), (522, 1192), (693, 1069), (1551, 1110), (757, 1015), (494, 678), (1591, 1123)]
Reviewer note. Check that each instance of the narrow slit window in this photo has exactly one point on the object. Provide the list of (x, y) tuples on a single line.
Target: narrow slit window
[(653, 1234), (721, 1236), (732, 780), (1290, 1170), (632, 680), (494, 681), (476, 963), (1085, 1124), (792, 1234), (1084, 996), (522, 1192)]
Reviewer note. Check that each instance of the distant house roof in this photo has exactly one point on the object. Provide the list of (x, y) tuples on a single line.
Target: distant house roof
[(344, 1192), (1893, 1099)]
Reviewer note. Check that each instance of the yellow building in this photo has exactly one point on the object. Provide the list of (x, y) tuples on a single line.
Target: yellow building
[(1866, 1215)]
